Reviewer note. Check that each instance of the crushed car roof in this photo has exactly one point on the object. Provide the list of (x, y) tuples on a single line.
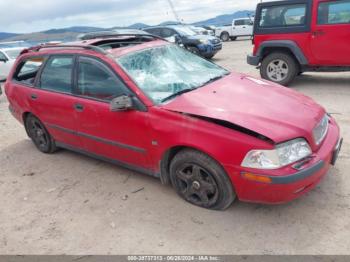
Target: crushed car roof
[(116, 45)]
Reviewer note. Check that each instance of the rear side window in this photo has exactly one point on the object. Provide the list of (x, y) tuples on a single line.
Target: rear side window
[(239, 22), (95, 80), (57, 74), (243, 22), (283, 15), (334, 13), (28, 69)]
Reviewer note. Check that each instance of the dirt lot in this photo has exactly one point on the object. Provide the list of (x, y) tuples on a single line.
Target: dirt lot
[(72, 204)]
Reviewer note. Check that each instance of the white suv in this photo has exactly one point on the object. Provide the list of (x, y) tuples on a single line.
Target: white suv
[(239, 27)]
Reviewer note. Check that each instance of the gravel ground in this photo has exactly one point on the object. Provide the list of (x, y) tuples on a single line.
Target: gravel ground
[(67, 203)]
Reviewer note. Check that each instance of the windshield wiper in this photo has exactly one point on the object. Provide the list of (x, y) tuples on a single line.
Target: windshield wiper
[(191, 89), (211, 80), (178, 94)]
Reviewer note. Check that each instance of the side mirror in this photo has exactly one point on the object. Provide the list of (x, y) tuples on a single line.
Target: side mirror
[(178, 39), (4, 60), (121, 103)]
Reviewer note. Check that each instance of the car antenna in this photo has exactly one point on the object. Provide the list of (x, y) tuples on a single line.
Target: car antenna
[(174, 11)]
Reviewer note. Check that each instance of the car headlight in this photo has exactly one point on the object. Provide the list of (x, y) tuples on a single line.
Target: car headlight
[(204, 41), (283, 155), (320, 131)]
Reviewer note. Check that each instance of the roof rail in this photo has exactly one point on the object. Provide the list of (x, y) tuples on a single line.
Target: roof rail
[(111, 35), (88, 47)]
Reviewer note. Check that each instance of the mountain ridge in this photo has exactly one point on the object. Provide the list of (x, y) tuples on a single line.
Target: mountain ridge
[(70, 33)]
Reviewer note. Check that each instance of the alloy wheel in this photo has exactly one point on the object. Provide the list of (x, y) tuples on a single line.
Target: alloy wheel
[(277, 70), (197, 185), (38, 134)]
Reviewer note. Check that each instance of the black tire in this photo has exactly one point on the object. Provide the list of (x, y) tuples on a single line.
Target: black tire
[(201, 181), (233, 38), (290, 68), (209, 56), (225, 36), (39, 135)]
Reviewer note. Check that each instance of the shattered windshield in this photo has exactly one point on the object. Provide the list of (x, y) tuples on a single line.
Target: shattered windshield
[(167, 71)]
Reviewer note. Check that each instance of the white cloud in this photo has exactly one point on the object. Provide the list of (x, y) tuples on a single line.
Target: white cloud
[(38, 15)]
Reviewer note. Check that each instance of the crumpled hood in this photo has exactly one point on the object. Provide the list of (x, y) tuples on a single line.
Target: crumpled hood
[(273, 111)]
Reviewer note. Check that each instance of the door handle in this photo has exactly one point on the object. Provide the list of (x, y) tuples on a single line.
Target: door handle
[(244, 27), (318, 33), (79, 107), (33, 96)]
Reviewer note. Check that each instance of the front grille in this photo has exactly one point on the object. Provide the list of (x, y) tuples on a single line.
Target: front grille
[(217, 46), (320, 131), (216, 41)]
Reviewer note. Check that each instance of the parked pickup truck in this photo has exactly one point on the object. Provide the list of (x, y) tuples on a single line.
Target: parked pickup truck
[(239, 27), (7, 59)]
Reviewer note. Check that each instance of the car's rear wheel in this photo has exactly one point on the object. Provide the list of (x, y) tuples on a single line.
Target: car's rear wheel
[(225, 36), (39, 135), (201, 181), (280, 68)]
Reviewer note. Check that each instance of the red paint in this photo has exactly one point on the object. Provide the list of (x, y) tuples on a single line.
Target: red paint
[(273, 111)]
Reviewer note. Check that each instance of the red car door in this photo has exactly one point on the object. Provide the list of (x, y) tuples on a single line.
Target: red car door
[(52, 101), (331, 33), (119, 136)]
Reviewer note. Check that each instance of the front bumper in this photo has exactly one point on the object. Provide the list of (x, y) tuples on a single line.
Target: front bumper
[(253, 60), (208, 50), (289, 183)]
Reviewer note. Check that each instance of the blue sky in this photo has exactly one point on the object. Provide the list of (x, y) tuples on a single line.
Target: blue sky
[(22, 16)]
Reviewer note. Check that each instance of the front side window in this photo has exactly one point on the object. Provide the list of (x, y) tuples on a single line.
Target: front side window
[(337, 12), (285, 15), (57, 74), (28, 69), (153, 31), (164, 71), (95, 80), (248, 22)]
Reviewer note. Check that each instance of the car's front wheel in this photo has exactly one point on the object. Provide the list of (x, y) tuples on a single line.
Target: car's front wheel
[(209, 56), (39, 135), (200, 180), (280, 68)]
